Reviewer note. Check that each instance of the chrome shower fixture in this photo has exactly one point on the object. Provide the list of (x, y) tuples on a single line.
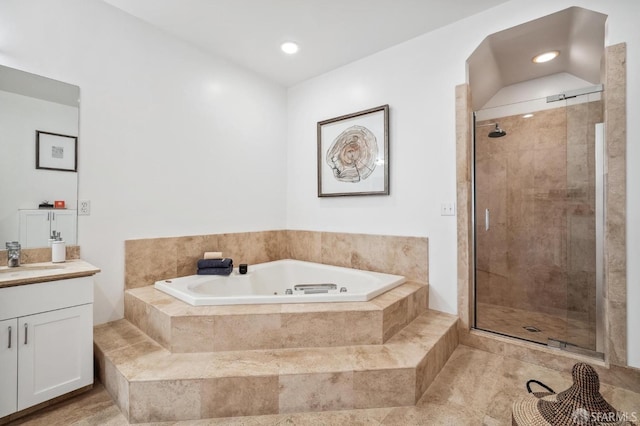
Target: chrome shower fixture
[(497, 132)]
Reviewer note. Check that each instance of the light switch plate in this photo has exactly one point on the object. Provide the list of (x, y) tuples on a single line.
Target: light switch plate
[(448, 209)]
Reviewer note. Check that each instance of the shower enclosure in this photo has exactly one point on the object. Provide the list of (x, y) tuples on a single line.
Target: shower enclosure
[(538, 204)]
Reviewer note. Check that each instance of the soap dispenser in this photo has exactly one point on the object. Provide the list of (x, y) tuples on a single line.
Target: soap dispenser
[(58, 249)]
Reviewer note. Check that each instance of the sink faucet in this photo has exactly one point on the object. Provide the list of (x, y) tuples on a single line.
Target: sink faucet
[(13, 253)]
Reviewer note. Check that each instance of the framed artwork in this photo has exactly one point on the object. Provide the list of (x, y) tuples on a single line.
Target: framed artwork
[(353, 154), (56, 152)]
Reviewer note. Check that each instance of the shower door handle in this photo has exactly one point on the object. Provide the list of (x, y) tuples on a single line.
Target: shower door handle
[(486, 219)]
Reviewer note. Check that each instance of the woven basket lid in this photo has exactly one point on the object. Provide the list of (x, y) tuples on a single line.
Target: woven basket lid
[(581, 404)]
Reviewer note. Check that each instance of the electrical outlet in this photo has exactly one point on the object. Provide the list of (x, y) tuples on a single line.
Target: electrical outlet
[(448, 209), (84, 208)]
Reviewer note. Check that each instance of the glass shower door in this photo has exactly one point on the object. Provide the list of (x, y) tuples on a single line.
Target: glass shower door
[(584, 219), (535, 210)]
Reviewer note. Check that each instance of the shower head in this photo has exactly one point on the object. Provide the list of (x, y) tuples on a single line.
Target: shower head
[(497, 132)]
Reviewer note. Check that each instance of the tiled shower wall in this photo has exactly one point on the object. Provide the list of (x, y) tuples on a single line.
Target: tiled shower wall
[(615, 297), (538, 183), (153, 259)]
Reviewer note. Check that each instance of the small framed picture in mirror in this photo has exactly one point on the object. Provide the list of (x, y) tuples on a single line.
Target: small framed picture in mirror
[(56, 152)]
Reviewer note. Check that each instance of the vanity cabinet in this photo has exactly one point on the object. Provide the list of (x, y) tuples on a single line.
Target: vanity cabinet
[(8, 366), (37, 225), (47, 341)]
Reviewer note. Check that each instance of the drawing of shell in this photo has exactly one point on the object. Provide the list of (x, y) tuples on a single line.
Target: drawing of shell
[(353, 154)]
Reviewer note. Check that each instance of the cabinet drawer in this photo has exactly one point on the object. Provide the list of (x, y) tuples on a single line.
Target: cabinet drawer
[(41, 297)]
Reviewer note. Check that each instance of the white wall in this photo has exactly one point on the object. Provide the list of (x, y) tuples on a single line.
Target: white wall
[(24, 186), (417, 79), (172, 141)]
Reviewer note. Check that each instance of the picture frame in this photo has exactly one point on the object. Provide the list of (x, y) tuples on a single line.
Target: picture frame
[(353, 154), (56, 152)]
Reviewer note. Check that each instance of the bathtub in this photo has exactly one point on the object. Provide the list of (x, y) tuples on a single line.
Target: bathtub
[(281, 281)]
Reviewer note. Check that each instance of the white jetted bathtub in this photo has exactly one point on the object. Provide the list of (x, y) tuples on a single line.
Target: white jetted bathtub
[(281, 281)]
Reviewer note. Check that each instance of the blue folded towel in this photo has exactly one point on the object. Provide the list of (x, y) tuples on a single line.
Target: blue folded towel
[(215, 271), (215, 263)]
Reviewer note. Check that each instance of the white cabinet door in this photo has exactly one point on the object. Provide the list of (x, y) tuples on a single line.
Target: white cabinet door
[(8, 367), (35, 228), (55, 354), (64, 221)]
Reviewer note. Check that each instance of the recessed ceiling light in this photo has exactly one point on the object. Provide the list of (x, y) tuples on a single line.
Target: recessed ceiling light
[(545, 57), (289, 47), (527, 115)]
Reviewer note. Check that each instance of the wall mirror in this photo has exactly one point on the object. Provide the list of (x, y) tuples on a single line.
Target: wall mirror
[(29, 104)]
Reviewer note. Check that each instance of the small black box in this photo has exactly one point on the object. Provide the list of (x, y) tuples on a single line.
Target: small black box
[(243, 268)]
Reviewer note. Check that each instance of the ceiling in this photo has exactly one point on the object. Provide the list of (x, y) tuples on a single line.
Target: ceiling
[(504, 58), (35, 86), (331, 33)]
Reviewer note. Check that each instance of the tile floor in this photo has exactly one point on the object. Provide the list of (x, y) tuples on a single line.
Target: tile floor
[(511, 322), (474, 388)]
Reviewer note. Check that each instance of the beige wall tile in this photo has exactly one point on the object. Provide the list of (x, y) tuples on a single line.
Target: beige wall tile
[(316, 392), (463, 197), (615, 209), (239, 396), (418, 302), (337, 249), (305, 245), (39, 255), (252, 247), (363, 328), (165, 400), (384, 388), (407, 256), (192, 334), (617, 318), (242, 332), (150, 260), (136, 312), (394, 318), (190, 249), (117, 386), (313, 329), (159, 327)]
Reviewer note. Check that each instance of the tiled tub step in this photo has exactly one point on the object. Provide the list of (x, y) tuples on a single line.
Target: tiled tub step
[(180, 327), (149, 383)]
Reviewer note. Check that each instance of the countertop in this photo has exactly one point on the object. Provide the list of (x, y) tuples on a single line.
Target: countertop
[(32, 273)]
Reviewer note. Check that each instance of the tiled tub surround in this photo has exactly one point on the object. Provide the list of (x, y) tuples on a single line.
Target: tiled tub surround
[(173, 323), (149, 383), (180, 327), (154, 259), (168, 360)]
